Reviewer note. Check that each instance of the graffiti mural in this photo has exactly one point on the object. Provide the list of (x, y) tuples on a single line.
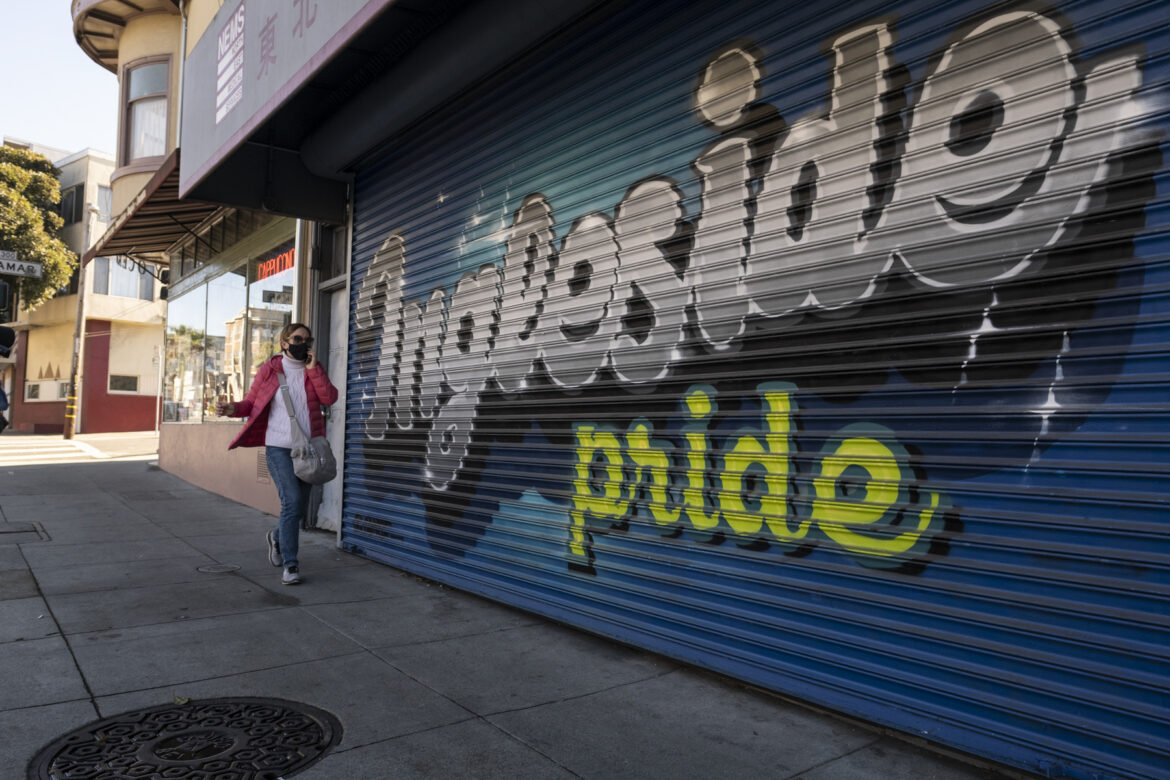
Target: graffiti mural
[(767, 364)]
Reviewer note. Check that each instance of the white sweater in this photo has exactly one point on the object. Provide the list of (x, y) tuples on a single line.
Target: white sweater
[(279, 433)]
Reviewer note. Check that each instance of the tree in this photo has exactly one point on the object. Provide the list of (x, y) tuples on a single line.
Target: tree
[(29, 194)]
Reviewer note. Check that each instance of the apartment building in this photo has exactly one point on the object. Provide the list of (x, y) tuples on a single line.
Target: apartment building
[(123, 317)]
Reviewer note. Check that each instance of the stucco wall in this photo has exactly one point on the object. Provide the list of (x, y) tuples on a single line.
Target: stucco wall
[(135, 351), (103, 411), (199, 16), (148, 35), (94, 168), (37, 416), (125, 187), (50, 352), (115, 307), (199, 454)]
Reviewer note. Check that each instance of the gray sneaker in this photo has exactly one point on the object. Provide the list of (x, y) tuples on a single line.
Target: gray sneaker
[(274, 549), (291, 576)]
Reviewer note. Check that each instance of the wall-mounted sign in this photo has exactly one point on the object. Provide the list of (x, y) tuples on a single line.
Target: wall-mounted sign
[(229, 65), (12, 265), (276, 264), (256, 53)]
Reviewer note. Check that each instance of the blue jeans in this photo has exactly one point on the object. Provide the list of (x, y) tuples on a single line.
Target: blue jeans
[(294, 501)]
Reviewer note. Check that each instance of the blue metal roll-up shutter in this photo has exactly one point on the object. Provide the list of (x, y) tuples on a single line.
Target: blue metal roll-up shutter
[(824, 347)]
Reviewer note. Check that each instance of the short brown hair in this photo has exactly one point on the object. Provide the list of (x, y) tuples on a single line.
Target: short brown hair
[(292, 328)]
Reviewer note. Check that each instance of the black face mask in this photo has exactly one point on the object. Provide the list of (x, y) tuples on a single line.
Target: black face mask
[(298, 351)]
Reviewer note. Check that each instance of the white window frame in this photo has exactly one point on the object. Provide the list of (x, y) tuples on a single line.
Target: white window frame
[(48, 391)]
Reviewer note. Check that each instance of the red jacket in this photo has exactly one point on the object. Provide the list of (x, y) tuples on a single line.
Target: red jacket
[(318, 389)]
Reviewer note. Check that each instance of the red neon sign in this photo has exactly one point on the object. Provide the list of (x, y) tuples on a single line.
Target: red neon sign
[(276, 264)]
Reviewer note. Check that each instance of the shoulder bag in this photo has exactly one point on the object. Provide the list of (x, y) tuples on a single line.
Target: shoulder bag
[(312, 458)]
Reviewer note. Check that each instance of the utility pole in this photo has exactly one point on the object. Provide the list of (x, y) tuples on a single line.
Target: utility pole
[(71, 403)]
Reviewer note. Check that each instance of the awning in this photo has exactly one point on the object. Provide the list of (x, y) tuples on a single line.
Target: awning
[(155, 219)]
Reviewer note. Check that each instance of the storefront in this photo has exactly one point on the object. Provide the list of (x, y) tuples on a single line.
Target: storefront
[(234, 286), (822, 348)]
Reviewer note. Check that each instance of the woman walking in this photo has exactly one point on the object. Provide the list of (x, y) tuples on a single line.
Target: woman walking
[(269, 425)]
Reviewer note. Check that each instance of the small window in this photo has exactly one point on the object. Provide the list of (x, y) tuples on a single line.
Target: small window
[(105, 203), (101, 275), (32, 391), (145, 285), (72, 204), (146, 111), (122, 278), (120, 383), (62, 390)]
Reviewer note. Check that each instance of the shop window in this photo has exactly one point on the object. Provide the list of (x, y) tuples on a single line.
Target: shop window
[(226, 363), (145, 118), (270, 297), (121, 383), (219, 333), (183, 389)]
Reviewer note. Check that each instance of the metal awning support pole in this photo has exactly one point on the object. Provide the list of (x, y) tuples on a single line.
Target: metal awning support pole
[(198, 237)]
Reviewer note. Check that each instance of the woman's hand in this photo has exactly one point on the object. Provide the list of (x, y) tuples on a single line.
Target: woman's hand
[(224, 409), (311, 360)]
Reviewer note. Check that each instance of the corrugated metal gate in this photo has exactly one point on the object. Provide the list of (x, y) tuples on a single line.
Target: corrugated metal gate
[(821, 347)]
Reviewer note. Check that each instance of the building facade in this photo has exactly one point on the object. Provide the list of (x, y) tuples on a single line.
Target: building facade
[(823, 348), (231, 278), (123, 316)]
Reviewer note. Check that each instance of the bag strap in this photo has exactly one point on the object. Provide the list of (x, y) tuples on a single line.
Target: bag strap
[(288, 407)]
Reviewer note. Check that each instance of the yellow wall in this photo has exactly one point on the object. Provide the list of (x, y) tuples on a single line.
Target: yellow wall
[(147, 35), (55, 311), (50, 348), (63, 308), (126, 187), (93, 169), (134, 351), (113, 307), (199, 16)]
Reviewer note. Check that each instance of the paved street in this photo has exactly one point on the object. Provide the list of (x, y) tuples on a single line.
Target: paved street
[(123, 587), (29, 449)]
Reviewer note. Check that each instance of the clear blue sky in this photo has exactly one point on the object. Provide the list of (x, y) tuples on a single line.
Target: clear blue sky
[(50, 92)]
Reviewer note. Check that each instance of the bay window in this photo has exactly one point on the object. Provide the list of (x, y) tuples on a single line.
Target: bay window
[(146, 87)]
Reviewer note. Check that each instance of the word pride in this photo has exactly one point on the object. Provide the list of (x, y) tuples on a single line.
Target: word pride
[(862, 494)]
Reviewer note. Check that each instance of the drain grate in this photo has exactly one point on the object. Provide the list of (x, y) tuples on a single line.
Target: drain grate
[(242, 739)]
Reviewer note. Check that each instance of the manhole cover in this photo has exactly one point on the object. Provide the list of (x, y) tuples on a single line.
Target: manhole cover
[(242, 739), (218, 568)]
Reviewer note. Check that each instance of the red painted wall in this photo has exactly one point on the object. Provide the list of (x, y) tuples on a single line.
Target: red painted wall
[(102, 411), (37, 416)]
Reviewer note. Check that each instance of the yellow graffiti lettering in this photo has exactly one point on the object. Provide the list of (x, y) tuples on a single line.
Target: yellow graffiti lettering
[(699, 408), (865, 495), (861, 500), (593, 498), (651, 466), (772, 455)]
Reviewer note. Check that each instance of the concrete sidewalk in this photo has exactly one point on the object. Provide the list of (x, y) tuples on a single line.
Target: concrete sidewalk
[(104, 609)]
